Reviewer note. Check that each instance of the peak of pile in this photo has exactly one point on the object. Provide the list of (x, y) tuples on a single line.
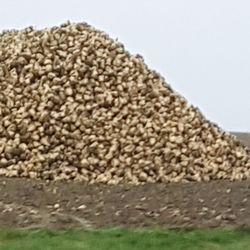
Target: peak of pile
[(75, 105)]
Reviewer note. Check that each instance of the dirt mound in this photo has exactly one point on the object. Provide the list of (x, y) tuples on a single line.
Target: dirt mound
[(75, 105)]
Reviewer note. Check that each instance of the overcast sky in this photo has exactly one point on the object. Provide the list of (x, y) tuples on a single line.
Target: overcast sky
[(201, 47)]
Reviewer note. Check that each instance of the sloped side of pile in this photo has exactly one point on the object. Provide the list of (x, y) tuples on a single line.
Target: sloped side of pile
[(74, 104)]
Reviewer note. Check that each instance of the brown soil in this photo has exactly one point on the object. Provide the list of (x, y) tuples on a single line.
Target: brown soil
[(29, 203)]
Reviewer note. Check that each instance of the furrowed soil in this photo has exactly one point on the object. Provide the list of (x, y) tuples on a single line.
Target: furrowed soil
[(26, 203)]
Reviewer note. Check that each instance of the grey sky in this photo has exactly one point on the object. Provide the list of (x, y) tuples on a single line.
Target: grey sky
[(202, 48)]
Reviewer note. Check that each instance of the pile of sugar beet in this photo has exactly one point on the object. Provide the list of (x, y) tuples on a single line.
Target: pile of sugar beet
[(75, 105)]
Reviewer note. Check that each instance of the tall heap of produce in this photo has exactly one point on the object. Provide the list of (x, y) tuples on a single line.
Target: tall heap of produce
[(75, 105)]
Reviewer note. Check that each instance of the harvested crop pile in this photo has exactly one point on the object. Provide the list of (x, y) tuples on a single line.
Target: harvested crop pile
[(75, 105)]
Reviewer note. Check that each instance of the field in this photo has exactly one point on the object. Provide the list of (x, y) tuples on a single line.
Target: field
[(125, 240), (244, 137), (35, 205)]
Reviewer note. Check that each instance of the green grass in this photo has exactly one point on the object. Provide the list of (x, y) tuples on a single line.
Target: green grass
[(121, 239)]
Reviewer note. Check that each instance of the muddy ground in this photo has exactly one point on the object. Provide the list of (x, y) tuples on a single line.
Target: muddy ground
[(34, 204)]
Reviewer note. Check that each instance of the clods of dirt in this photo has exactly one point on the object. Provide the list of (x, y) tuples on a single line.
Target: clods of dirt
[(35, 204)]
